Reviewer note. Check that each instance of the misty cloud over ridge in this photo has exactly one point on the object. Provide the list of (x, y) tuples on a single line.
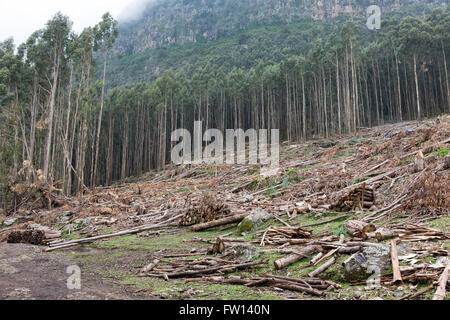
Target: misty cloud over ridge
[(135, 10)]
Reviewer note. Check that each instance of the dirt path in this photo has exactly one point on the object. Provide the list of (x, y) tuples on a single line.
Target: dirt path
[(26, 272)]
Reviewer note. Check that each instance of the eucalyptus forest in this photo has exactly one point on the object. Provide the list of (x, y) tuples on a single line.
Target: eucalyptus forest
[(57, 115)]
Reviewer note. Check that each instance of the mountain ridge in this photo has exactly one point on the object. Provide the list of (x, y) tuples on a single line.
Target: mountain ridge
[(229, 33)]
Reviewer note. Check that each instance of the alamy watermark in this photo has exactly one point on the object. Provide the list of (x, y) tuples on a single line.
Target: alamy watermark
[(74, 280), (231, 150), (374, 17)]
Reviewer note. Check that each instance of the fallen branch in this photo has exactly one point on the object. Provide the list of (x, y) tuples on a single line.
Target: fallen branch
[(395, 263), (322, 268), (443, 279), (297, 256), (219, 222)]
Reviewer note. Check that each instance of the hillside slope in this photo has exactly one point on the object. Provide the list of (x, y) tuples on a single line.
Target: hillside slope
[(312, 195)]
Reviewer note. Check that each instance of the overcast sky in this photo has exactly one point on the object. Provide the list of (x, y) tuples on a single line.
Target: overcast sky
[(20, 18)]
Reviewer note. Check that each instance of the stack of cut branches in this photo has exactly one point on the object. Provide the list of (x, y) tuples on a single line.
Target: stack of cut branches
[(430, 194), (358, 198), (282, 235), (36, 237)]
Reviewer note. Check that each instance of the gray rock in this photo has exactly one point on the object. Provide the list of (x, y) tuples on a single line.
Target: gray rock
[(253, 221), (66, 216), (8, 269), (399, 294), (79, 224), (10, 221), (37, 226), (247, 198), (370, 261), (327, 144), (244, 253)]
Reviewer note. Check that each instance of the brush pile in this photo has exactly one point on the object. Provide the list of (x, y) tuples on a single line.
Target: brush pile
[(207, 208), (30, 190), (430, 194), (35, 237)]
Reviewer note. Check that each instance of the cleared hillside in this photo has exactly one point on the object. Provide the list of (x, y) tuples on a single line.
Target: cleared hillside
[(312, 202)]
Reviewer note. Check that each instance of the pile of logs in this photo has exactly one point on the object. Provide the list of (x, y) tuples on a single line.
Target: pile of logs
[(282, 235), (207, 209), (35, 237), (361, 198), (184, 268)]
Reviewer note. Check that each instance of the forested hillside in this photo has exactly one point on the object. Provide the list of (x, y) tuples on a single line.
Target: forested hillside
[(236, 33), (61, 111)]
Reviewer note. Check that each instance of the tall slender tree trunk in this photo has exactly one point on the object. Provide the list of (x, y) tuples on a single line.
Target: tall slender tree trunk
[(51, 113), (417, 86), (446, 76), (99, 125)]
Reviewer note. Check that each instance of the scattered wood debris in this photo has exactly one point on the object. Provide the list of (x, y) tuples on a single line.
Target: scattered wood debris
[(388, 190), (196, 267)]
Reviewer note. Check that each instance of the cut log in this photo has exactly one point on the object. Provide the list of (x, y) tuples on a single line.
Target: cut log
[(358, 228), (219, 222), (297, 256), (395, 263), (150, 267), (329, 254), (294, 287), (419, 162), (349, 250), (322, 268), (218, 247), (442, 284), (384, 234), (447, 162), (316, 257)]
